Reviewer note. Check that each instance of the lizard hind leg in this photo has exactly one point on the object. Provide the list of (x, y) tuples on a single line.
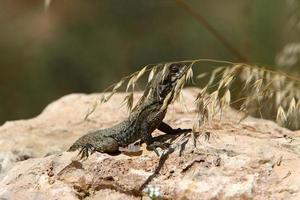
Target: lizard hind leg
[(107, 145), (86, 150)]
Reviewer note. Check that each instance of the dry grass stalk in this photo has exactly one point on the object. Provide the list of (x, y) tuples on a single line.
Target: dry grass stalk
[(249, 88)]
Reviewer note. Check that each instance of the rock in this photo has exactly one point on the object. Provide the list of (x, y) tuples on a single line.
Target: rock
[(254, 159)]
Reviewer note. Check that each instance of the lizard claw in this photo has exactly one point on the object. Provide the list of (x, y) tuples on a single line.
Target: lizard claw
[(86, 151), (157, 144)]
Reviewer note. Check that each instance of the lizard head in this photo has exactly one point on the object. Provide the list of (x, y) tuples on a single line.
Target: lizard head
[(168, 81), (161, 89)]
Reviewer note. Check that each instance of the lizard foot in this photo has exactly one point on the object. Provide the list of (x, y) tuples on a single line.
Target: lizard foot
[(86, 151), (154, 145)]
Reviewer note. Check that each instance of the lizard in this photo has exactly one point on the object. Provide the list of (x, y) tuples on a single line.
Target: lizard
[(145, 117)]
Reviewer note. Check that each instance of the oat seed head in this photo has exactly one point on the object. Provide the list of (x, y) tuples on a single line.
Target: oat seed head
[(251, 89)]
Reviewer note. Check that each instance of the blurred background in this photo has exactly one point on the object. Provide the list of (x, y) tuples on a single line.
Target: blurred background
[(52, 48)]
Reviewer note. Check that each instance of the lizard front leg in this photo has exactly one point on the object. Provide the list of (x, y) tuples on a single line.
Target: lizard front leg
[(152, 145), (169, 130)]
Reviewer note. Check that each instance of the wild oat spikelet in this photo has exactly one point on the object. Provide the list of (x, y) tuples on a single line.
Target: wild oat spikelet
[(249, 88)]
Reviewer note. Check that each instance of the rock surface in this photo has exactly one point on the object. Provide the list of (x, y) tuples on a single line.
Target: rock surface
[(254, 159)]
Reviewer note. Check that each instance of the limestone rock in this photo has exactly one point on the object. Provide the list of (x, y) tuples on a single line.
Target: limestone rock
[(254, 159)]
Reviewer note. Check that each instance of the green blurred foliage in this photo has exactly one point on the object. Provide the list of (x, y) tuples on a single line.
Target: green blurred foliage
[(84, 46)]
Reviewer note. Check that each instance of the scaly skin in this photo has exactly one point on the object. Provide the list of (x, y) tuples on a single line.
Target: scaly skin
[(146, 116)]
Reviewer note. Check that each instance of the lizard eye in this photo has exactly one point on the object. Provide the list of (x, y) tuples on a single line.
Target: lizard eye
[(174, 68)]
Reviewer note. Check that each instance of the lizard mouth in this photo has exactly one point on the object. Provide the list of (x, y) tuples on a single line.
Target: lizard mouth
[(177, 71)]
